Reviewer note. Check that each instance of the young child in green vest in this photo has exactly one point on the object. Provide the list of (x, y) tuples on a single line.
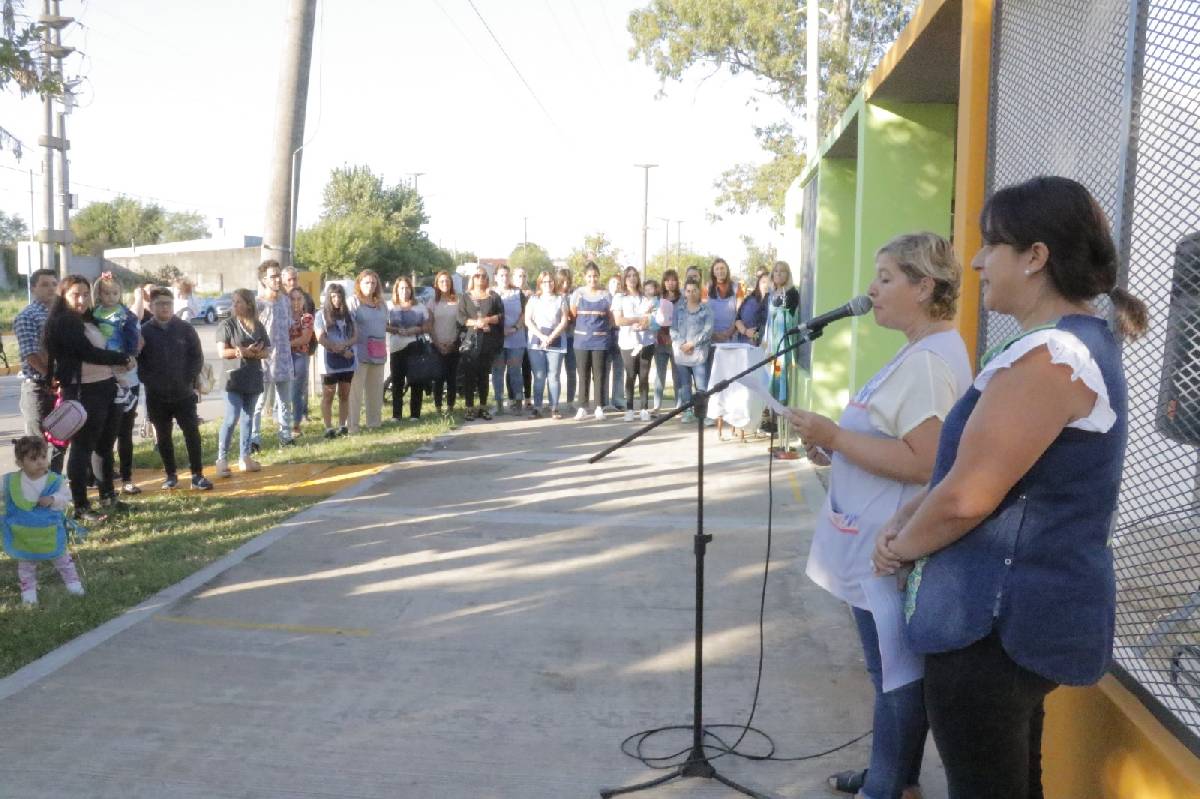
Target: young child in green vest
[(34, 523)]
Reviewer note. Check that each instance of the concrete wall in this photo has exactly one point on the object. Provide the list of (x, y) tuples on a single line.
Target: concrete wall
[(212, 271)]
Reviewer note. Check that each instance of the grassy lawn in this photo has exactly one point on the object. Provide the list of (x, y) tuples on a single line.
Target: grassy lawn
[(167, 536)]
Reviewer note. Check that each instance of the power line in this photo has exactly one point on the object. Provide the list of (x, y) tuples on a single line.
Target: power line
[(512, 63)]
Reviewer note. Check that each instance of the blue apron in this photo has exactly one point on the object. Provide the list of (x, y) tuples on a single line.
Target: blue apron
[(32, 532)]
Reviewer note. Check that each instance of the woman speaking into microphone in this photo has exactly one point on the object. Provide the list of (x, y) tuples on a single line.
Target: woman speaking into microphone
[(1013, 592), (882, 449)]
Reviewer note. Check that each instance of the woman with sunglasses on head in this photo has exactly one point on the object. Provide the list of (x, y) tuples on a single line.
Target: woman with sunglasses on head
[(546, 316), (591, 308), (481, 322), (632, 315)]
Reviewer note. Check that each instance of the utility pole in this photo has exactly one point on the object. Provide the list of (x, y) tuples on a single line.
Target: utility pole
[(53, 50), (645, 209), (290, 105), (64, 247), (666, 242), (416, 181), (678, 242), (525, 246)]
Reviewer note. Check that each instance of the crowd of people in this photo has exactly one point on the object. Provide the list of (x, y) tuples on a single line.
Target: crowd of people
[(960, 505)]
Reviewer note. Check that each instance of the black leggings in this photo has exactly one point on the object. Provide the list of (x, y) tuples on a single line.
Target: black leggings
[(477, 375), (986, 715), (400, 382), (637, 365), (447, 384), (97, 435), (590, 367)]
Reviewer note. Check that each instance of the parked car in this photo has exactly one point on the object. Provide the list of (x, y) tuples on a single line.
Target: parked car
[(425, 295), (213, 308)]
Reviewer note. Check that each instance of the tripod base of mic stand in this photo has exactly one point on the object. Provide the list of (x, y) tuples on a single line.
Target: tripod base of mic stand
[(697, 765)]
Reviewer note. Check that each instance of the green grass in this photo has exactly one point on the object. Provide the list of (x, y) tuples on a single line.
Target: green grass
[(167, 536), (385, 445)]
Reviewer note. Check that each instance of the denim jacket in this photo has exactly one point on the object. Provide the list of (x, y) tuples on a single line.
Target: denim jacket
[(694, 327)]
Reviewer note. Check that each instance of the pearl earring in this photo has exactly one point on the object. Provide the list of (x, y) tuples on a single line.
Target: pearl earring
[(1028, 272)]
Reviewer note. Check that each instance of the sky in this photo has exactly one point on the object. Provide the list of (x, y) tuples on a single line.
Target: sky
[(177, 107)]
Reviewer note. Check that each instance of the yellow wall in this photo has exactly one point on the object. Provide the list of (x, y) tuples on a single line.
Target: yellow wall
[(1102, 743)]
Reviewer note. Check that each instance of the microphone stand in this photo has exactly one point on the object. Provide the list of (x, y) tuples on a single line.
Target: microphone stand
[(697, 763)]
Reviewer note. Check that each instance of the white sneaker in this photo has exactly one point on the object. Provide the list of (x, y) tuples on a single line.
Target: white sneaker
[(75, 588), (628, 417), (223, 469), (644, 415), (599, 414), (249, 465), (29, 598), (580, 415)]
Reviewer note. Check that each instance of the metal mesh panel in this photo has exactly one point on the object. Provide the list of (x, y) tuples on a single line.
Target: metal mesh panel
[(1156, 544), (1059, 77), (1063, 71)]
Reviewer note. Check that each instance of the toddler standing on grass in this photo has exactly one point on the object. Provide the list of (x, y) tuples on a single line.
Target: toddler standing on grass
[(35, 522)]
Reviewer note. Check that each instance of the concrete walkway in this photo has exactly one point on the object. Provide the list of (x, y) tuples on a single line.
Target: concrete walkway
[(487, 619)]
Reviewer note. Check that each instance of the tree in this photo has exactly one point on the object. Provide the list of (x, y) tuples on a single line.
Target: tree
[(12, 229), (596, 247), (125, 221), (766, 39), (678, 259), (366, 224), (757, 258), (458, 257), (20, 46), (530, 257)]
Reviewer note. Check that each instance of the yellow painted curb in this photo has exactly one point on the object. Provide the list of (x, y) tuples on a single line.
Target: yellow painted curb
[(297, 479)]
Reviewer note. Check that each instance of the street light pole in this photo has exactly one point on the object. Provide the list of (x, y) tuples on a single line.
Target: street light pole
[(666, 242), (416, 181), (645, 209), (678, 242), (525, 246)]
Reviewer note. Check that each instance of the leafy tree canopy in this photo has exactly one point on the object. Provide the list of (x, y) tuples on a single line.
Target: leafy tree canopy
[(767, 39), (12, 229), (530, 257), (599, 248), (20, 67), (366, 224), (125, 221)]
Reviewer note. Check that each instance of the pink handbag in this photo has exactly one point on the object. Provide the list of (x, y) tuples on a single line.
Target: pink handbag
[(62, 423)]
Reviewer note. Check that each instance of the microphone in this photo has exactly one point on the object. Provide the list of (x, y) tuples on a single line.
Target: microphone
[(856, 307)]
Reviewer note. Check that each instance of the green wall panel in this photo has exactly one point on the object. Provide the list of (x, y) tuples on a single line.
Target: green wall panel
[(905, 183), (829, 388)]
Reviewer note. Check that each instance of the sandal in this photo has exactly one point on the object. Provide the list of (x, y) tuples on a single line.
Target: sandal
[(485, 415), (850, 782)]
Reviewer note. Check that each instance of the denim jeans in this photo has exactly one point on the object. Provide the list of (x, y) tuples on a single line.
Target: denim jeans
[(237, 405), (900, 726), (546, 365), (300, 363), (614, 380), (508, 360), (686, 374), (663, 357), (283, 411)]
